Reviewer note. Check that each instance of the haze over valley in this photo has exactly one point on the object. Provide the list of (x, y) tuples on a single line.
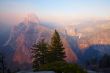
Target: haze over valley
[(83, 27)]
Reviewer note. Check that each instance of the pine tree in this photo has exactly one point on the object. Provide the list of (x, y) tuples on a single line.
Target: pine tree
[(39, 54), (56, 47), (2, 64)]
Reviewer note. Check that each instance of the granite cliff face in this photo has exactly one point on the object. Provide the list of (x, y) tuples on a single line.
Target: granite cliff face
[(28, 32)]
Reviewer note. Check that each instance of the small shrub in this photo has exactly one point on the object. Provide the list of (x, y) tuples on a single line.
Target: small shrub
[(64, 67)]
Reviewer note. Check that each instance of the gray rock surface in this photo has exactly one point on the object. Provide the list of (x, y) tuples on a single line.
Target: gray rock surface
[(36, 72)]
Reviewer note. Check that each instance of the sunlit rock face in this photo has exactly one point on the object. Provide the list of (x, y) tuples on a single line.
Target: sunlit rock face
[(31, 18), (71, 56), (23, 36), (91, 39), (71, 31), (92, 32)]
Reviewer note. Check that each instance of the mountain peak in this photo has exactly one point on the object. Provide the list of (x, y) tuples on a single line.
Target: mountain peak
[(31, 18)]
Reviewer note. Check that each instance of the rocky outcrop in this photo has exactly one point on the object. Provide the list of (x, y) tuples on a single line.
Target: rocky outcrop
[(36, 72)]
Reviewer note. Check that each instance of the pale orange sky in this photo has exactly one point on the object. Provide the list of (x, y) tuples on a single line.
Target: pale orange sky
[(59, 11)]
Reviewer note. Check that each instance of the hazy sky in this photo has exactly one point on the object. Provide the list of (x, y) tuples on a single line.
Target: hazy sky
[(55, 9)]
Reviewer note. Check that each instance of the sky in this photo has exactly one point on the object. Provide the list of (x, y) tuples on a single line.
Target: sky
[(54, 10)]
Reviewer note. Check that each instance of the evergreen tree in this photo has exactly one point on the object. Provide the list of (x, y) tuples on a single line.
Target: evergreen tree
[(43, 47), (2, 64), (39, 54), (56, 48), (105, 61)]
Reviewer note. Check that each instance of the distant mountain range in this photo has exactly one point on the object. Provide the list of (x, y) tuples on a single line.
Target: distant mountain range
[(82, 41)]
